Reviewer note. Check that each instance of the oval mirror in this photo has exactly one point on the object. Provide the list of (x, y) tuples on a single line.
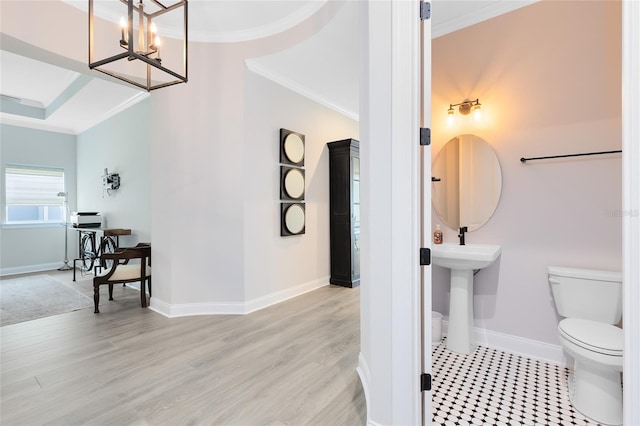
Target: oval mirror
[(294, 219), (294, 183), (294, 148), (466, 183)]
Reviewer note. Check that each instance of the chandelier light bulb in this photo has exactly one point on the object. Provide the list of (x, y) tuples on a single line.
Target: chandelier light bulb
[(123, 31), (157, 43)]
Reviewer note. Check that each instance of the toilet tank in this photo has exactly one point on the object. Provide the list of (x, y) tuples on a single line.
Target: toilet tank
[(587, 293)]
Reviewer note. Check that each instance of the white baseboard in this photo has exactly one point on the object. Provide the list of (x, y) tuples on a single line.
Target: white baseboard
[(365, 379), (529, 348), (234, 308), (282, 295), (30, 268)]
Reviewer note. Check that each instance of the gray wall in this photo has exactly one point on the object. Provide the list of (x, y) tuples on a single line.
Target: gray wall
[(121, 144), (29, 249), (273, 263)]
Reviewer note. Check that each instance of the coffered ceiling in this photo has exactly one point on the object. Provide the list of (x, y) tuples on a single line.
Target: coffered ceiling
[(40, 95)]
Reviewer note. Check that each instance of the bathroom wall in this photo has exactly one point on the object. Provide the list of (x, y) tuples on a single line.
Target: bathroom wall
[(29, 249), (549, 80)]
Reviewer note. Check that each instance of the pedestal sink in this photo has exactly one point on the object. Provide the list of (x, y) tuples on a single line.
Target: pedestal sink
[(462, 261)]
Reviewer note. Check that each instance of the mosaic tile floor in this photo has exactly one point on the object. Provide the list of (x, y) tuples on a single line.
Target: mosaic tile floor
[(490, 387)]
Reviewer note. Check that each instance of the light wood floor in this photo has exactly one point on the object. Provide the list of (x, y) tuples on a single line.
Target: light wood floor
[(290, 364)]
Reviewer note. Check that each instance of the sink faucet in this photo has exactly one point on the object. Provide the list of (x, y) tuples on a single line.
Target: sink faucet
[(463, 229)]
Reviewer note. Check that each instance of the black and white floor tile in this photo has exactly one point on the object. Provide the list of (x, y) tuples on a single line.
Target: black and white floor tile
[(490, 387)]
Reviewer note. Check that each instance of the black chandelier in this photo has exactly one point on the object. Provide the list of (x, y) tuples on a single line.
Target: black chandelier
[(143, 32)]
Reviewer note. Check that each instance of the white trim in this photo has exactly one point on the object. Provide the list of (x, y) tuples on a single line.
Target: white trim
[(631, 207), (34, 123), (282, 295), (211, 36), (529, 348), (234, 308), (255, 67), (425, 211), (473, 17), (191, 309), (138, 97), (365, 379), (30, 268), (272, 28), (30, 225), (405, 213)]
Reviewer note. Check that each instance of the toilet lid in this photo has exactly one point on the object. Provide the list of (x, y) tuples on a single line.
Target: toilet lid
[(599, 337)]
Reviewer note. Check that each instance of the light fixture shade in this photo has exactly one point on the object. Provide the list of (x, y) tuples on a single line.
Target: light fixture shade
[(142, 42), (465, 107)]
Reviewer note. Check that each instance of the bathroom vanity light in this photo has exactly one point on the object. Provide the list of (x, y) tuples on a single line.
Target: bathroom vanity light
[(465, 107), (138, 41)]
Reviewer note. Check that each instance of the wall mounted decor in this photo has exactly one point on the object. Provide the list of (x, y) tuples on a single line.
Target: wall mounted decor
[(292, 182), (293, 218), (291, 148), (110, 182)]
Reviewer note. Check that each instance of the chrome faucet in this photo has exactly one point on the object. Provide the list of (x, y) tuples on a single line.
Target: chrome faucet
[(463, 229)]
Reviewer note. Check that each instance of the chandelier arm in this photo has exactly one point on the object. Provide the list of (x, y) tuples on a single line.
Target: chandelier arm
[(155, 64), (107, 60), (119, 77), (157, 3), (166, 10), (169, 83)]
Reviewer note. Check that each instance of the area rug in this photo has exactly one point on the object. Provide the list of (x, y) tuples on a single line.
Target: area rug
[(37, 296)]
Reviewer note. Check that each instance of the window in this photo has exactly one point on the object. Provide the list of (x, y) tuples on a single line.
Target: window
[(32, 194)]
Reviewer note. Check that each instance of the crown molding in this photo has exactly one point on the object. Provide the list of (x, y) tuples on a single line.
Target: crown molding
[(497, 8), (206, 34), (73, 128), (256, 68)]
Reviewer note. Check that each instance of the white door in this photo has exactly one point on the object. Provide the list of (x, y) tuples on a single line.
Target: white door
[(425, 214)]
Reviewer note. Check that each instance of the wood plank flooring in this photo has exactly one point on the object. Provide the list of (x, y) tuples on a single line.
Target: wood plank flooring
[(290, 364)]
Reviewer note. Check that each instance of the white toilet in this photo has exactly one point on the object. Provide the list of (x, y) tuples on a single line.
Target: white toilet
[(591, 302)]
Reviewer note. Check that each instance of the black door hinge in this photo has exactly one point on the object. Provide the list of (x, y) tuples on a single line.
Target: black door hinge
[(425, 256), (425, 382), (425, 10), (425, 136)]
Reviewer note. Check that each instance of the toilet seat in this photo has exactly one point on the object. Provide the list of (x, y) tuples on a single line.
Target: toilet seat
[(594, 336)]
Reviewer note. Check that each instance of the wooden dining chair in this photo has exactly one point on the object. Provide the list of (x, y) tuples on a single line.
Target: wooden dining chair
[(116, 269)]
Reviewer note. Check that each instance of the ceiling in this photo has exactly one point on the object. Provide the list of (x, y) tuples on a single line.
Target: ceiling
[(40, 95)]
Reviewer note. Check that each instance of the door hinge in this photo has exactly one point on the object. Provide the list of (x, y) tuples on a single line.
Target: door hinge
[(425, 382), (425, 256), (425, 10), (425, 136)]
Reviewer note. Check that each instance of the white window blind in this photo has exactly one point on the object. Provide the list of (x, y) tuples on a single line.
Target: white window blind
[(31, 195), (34, 186)]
